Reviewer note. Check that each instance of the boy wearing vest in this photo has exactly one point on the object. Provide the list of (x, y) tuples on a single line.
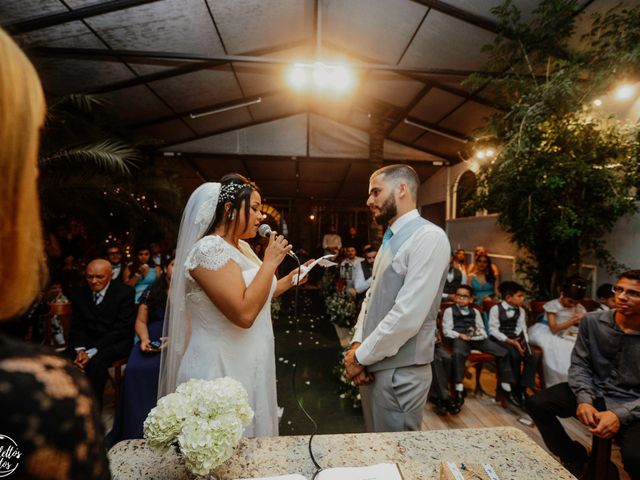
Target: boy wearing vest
[(463, 325), (508, 327)]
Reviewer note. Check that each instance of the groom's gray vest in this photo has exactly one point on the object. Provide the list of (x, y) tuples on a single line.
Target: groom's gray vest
[(418, 350)]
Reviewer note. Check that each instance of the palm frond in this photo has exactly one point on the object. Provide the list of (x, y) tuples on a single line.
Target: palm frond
[(111, 156), (83, 103)]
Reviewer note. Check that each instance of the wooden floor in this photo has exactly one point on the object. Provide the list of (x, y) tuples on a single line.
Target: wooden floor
[(482, 411)]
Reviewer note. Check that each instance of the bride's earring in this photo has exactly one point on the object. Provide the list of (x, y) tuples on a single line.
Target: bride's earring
[(231, 216)]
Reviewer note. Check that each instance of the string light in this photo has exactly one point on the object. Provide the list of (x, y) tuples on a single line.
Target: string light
[(624, 92)]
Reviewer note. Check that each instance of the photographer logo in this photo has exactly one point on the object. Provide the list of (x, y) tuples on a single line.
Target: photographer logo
[(9, 456)]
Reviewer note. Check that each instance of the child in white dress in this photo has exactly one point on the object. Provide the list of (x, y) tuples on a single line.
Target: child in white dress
[(556, 332)]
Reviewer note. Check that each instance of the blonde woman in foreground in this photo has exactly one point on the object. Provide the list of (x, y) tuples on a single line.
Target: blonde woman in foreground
[(47, 406)]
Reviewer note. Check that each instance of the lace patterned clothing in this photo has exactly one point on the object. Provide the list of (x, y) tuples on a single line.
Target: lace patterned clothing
[(218, 348), (49, 410)]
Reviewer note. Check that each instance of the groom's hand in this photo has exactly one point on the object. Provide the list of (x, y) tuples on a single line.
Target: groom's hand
[(363, 378), (351, 364)]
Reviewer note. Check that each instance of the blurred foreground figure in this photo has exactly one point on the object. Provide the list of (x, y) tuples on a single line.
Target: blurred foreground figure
[(48, 412)]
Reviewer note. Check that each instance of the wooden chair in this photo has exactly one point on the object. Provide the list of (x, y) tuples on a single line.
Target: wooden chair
[(589, 304), (64, 312), (116, 378), (600, 466)]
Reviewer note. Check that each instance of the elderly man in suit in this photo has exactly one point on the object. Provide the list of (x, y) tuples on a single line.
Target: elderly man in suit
[(102, 324), (393, 344)]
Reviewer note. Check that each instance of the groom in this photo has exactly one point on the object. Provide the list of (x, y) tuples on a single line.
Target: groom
[(392, 347)]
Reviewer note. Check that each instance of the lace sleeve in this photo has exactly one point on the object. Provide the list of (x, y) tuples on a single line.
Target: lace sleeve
[(211, 252)]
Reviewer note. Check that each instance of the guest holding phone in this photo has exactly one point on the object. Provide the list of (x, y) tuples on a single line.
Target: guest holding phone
[(140, 387)]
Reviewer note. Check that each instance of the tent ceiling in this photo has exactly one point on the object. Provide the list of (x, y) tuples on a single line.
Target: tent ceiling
[(174, 58)]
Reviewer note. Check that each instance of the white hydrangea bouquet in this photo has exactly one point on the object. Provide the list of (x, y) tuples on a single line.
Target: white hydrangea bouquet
[(204, 419)]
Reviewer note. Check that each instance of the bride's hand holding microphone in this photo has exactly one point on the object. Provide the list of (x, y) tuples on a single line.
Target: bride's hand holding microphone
[(281, 247), (276, 250)]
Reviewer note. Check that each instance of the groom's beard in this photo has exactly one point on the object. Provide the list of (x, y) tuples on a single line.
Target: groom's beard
[(388, 210)]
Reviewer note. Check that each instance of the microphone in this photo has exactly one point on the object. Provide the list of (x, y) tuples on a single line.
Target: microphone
[(264, 230)]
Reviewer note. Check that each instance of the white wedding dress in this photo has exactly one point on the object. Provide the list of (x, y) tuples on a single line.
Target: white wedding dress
[(218, 348)]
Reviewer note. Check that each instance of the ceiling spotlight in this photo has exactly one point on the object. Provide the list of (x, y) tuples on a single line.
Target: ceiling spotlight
[(312, 217), (320, 76), (489, 152), (480, 154), (597, 102), (624, 92), (340, 78), (298, 76)]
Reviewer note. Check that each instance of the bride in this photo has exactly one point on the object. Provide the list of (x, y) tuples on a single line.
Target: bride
[(218, 319)]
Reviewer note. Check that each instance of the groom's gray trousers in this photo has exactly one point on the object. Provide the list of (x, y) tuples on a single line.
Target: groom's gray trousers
[(395, 401)]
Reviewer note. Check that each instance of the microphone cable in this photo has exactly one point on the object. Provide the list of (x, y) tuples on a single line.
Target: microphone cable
[(293, 376)]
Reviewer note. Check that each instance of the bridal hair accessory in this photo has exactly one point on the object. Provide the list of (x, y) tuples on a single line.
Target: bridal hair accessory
[(229, 191)]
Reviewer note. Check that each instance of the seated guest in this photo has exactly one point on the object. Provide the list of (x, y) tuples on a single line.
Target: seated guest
[(140, 388), (439, 393), (460, 260), (480, 250), (347, 267), (455, 278), (113, 254), (508, 327), (142, 272), (47, 405), (603, 391), (482, 279), (363, 269), (101, 324), (157, 255), (556, 333), (606, 298), (462, 324)]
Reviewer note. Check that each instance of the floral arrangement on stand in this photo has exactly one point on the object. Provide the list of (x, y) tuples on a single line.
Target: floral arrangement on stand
[(347, 390), (327, 284), (203, 419), (341, 309), (276, 306)]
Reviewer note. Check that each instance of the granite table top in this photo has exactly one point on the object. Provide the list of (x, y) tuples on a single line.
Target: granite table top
[(419, 455)]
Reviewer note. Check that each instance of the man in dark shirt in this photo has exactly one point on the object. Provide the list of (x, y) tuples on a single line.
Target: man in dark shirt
[(604, 383)]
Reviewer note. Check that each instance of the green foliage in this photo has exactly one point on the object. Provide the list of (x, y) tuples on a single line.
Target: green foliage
[(564, 173), (341, 309), (348, 390), (276, 306), (90, 173)]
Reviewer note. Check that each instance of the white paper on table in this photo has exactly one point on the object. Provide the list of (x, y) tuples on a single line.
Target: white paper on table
[(381, 471), (322, 261), (295, 476)]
